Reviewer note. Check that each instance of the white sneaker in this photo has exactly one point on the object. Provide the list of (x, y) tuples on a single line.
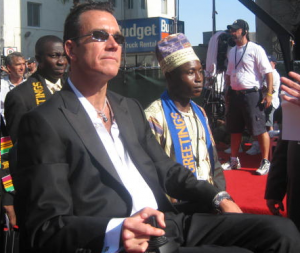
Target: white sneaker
[(228, 151), (263, 168), (232, 164), (254, 150)]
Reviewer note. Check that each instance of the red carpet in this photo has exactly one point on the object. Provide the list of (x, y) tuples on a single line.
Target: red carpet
[(246, 188)]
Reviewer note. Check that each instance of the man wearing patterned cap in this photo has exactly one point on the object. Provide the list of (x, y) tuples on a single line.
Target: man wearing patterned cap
[(184, 75), (91, 173)]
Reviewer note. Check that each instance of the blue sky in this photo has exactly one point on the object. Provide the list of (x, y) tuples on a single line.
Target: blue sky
[(197, 16)]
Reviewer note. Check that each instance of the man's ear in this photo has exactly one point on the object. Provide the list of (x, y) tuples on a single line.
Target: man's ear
[(8, 68), (168, 76), (38, 59), (70, 47)]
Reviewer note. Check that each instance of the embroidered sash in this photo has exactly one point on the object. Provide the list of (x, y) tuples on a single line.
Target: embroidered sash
[(39, 93), (6, 145), (8, 183), (180, 136)]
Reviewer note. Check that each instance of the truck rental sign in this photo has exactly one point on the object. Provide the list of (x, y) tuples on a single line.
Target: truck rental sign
[(142, 35)]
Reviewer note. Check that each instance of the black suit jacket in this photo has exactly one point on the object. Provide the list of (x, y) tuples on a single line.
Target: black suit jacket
[(20, 100), (67, 187)]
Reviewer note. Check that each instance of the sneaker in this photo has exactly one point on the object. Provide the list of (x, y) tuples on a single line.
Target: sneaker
[(263, 168), (254, 150), (228, 151), (232, 164)]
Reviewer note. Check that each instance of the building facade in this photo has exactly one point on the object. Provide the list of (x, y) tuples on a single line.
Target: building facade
[(144, 22), (23, 22)]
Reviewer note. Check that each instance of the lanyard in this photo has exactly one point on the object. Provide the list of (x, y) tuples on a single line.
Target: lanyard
[(236, 64)]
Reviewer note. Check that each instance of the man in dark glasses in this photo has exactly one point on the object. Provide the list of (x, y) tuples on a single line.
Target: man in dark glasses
[(91, 173)]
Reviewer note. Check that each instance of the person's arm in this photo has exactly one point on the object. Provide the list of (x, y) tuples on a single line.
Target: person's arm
[(268, 97), (179, 182), (277, 178), (10, 211), (156, 127), (275, 206), (292, 88), (14, 109), (7, 191), (4, 69), (228, 206), (7, 197)]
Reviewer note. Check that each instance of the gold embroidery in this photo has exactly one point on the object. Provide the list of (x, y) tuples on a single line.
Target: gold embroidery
[(39, 92)]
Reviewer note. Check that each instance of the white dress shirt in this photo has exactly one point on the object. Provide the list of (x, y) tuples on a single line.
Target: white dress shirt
[(53, 87), (6, 86)]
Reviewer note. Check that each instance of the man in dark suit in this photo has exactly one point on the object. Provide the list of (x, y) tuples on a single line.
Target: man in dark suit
[(40, 86), (91, 173)]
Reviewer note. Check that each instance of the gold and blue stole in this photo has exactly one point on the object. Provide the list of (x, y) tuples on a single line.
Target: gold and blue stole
[(180, 136)]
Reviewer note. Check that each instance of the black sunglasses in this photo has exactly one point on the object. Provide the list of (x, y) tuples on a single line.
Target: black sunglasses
[(100, 35)]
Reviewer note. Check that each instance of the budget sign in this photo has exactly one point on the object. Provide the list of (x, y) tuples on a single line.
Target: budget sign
[(142, 35)]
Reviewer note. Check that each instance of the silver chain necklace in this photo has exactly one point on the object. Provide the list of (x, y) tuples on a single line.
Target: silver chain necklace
[(101, 112)]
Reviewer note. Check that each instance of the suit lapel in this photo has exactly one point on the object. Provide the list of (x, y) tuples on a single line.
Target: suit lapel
[(132, 144), (127, 130), (130, 138), (122, 115), (81, 123)]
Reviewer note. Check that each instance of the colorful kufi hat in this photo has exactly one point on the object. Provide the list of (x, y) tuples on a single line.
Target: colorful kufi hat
[(173, 51)]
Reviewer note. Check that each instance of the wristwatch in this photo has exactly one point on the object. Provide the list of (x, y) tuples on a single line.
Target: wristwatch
[(219, 197)]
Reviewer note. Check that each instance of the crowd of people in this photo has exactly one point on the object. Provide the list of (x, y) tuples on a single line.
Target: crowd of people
[(89, 167)]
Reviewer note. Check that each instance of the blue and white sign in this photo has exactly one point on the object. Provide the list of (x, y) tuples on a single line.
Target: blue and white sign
[(142, 35)]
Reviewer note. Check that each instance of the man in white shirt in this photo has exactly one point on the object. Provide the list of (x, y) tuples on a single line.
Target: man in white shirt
[(91, 173), (245, 102), (15, 64)]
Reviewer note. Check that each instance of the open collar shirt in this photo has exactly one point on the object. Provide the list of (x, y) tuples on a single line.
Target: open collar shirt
[(141, 194)]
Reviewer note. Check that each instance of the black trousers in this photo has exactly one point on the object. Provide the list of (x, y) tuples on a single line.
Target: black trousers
[(208, 233)]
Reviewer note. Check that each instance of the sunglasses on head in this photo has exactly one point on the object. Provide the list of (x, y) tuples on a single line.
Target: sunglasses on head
[(101, 35)]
